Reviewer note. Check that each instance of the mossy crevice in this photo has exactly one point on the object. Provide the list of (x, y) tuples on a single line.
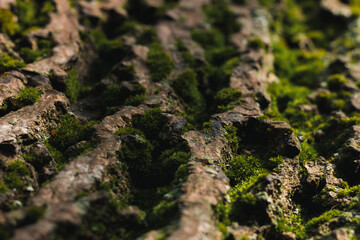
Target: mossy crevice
[(26, 96)]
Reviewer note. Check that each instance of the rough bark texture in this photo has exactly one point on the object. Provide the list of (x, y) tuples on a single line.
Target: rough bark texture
[(179, 119)]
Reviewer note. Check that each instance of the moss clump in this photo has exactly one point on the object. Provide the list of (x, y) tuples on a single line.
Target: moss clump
[(136, 152), (137, 97), (147, 37), (33, 214), (285, 59), (162, 212), (186, 86), (245, 207), (8, 63), (353, 191), (159, 63), (257, 43), (232, 138), (72, 86), (307, 74), (3, 187), (187, 57), (336, 82), (70, 131), (324, 218), (7, 24), (116, 95), (221, 17), (110, 52), (150, 123), (26, 96), (225, 98), (329, 101), (30, 55), (16, 172), (169, 162), (240, 2), (218, 56), (33, 13), (208, 39), (242, 167), (129, 130), (291, 224), (125, 72), (308, 152)]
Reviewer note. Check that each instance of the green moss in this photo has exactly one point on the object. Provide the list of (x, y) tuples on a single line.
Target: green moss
[(138, 97), (169, 161), (28, 96), (162, 212), (307, 74), (229, 66), (115, 95), (218, 56), (232, 138), (16, 171), (244, 203), (151, 122), (34, 214), (72, 86), (240, 2), (208, 39), (293, 225), (353, 191), (129, 130), (70, 131), (3, 187), (110, 52), (186, 86), (257, 43), (285, 60), (147, 37), (33, 13), (220, 16), (35, 161), (225, 98), (29, 55), (159, 63), (187, 57), (18, 167), (328, 101), (8, 63), (44, 49), (308, 152), (136, 152), (242, 167), (128, 27), (126, 72), (5, 232), (324, 218), (336, 82), (7, 24), (181, 173)]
